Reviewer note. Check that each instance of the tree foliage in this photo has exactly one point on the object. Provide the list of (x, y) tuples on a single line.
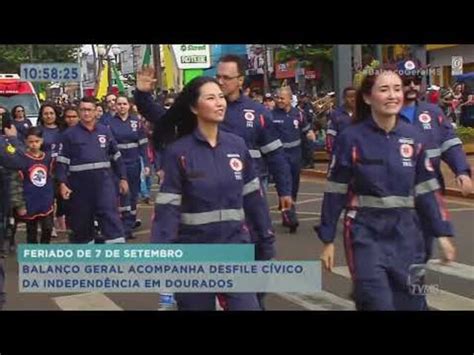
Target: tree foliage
[(12, 56), (306, 54)]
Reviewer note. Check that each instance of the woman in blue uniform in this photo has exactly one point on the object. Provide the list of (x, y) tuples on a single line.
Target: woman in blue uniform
[(132, 142), (50, 122), (382, 176), (20, 121), (209, 185)]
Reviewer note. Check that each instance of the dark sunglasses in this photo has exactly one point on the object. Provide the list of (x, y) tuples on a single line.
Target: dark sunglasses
[(408, 79)]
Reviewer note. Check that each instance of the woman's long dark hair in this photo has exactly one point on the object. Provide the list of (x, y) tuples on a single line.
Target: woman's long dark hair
[(179, 120), (59, 119), (364, 111), (14, 111)]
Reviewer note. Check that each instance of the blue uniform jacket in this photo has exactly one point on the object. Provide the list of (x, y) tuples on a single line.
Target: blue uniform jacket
[(292, 127), (338, 120), (105, 118), (441, 140), (207, 194), (131, 139), (84, 150), (22, 127), (51, 138), (372, 170), (249, 120)]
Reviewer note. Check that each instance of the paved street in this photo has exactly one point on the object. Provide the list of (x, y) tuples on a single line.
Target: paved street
[(456, 282)]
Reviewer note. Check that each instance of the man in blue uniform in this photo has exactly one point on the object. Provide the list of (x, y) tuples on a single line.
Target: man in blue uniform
[(85, 175), (111, 101), (293, 128), (440, 137), (251, 121), (341, 117), (132, 142)]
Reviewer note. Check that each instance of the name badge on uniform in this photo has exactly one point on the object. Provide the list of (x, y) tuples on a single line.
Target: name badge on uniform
[(425, 119), (134, 125), (407, 140), (102, 140), (406, 151), (249, 116), (296, 123), (237, 166)]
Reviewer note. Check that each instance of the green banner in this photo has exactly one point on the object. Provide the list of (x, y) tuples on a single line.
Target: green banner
[(190, 74), (147, 55)]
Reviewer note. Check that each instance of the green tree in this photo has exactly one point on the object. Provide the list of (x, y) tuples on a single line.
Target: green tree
[(307, 54), (12, 56)]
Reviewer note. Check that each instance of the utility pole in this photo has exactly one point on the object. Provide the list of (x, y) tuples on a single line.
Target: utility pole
[(266, 85), (342, 68), (379, 53), (109, 69), (79, 61)]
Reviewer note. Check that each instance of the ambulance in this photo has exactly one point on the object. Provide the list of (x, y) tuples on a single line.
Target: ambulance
[(14, 91)]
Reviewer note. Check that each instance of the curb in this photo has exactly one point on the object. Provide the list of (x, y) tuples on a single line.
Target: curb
[(313, 173), (468, 148), (322, 174), (457, 193)]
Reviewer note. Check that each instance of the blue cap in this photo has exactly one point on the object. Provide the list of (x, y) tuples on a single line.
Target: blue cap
[(409, 67)]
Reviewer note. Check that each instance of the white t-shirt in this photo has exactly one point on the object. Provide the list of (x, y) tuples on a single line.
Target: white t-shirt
[(294, 100)]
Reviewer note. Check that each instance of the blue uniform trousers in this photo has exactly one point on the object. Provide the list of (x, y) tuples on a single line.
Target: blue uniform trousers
[(128, 202), (207, 301), (385, 253), (94, 196)]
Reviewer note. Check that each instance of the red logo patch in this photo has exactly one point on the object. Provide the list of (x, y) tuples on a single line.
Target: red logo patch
[(236, 164), (39, 175), (424, 118), (249, 116), (406, 150)]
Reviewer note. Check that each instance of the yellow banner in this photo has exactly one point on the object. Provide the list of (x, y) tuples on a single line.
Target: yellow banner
[(168, 81), (103, 82), (433, 47)]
